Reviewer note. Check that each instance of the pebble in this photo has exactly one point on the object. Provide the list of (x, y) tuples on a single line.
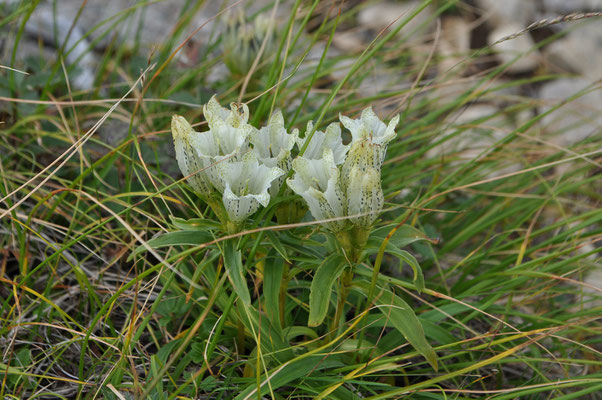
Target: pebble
[(575, 121), (454, 44), (499, 13), (521, 46), (380, 15), (580, 51), (570, 6)]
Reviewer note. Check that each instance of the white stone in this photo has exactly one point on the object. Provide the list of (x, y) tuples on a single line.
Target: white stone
[(575, 121), (522, 48), (580, 51), (568, 6), (350, 41), (381, 15), (500, 12), (78, 51), (472, 141), (454, 44)]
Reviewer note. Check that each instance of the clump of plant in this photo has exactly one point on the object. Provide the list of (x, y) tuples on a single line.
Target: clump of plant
[(246, 175)]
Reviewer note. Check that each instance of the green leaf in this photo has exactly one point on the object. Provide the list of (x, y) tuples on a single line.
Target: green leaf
[(289, 372), (273, 272), (195, 224), (234, 267), (403, 236), (273, 346), (403, 318), (178, 238), (275, 241), (294, 331), (321, 287), (411, 261)]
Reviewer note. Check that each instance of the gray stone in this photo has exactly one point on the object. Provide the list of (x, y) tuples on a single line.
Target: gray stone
[(521, 48), (569, 6), (471, 142), (580, 51), (350, 41), (78, 51), (454, 44), (500, 12), (575, 121), (481, 127), (381, 15)]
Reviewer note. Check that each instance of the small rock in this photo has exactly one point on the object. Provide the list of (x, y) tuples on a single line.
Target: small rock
[(580, 51), (520, 49), (576, 120), (501, 12), (565, 6), (454, 43), (379, 16), (350, 41), (78, 51), (341, 68), (471, 142)]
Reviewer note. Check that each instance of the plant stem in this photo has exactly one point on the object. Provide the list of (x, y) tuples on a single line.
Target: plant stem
[(346, 280)]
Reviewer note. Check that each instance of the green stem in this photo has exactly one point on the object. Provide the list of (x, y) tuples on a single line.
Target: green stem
[(282, 294), (345, 285)]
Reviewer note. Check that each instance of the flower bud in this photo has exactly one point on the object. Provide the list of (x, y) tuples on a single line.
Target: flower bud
[(190, 163), (364, 196)]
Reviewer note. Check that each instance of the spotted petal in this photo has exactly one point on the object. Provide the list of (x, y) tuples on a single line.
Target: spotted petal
[(273, 145), (364, 196), (369, 126), (236, 117), (246, 186), (317, 182), (191, 165), (329, 139)]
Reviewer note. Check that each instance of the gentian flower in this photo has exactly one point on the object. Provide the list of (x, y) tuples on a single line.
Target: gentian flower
[(246, 186), (189, 161), (273, 145), (329, 139), (317, 181)]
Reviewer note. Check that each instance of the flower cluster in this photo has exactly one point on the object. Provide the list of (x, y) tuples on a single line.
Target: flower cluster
[(243, 166), (339, 180), (241, 42), (221, 162)]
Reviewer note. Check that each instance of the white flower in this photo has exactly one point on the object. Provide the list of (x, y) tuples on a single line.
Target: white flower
[(370, 127), (246, 186), (273, 141), (317, 181), (236, 117), (188, 159), (273, 145), (226, 139), (330, 139), (241, 42), (363, 155), (364, 196), (370, 137)]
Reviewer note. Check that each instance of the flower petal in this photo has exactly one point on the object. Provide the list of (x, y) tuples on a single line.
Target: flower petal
[(364, 196), (370, 127), (363, 154), (331, 139), (189, 162), (317, 181), (237, 116), (246, 186)]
